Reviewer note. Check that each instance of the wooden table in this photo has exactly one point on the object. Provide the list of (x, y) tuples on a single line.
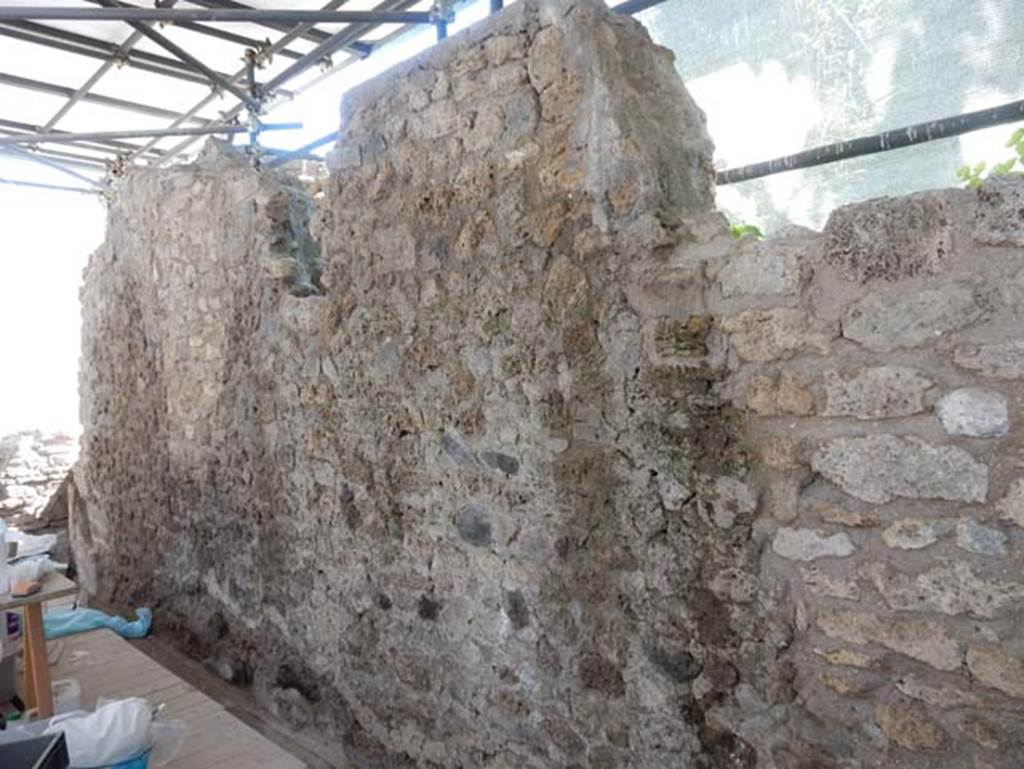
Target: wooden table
[(107, 666), (37, 667)]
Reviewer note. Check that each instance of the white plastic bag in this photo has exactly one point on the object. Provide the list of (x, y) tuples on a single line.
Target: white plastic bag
[(114, 732), (168, 735)]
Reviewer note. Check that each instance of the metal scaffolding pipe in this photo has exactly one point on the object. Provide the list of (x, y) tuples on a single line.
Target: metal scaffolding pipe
[(62, 137), (74, 159), (22, 13), (41, 186), (325, 49), (312, 34), (357, 31), (110, 145), (230, 37), (279, 44), (322, 51), (304, 150), (881, 142), (216, 79), (109, 64), (108, 101), (99, 49), (20, 154)]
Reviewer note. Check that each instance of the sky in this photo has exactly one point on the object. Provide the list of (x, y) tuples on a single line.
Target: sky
[(48, 235), (47, 239)]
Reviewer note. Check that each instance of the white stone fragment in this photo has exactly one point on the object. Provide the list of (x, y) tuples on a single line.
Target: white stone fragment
[(808, 544), (976, 412)]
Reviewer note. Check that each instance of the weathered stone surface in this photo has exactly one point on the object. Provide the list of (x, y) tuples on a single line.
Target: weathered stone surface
[(849, 684), (983, 540), (1011, 506), (773, 266), (953, 589), (449, 508), (809, 545), (787, 394), (781, 332), (822, 583), (734, 585), (1004, 360), (495, 477), (915, 533), (733, 498), (779, 452), (998, 667), (875, 393), (896, 318), (474, 525), (829, 513), (880, 468), (33, 465), (999, 217), (923, 639), (981, 732), (906, 723), (849, 658), (975, 412), (942, 695), (888, 238)]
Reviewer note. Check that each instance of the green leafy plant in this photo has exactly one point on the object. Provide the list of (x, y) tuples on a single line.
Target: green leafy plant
[(973, 176), (741, 230)]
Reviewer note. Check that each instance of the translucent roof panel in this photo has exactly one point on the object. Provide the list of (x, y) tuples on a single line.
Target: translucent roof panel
[(779, 77)]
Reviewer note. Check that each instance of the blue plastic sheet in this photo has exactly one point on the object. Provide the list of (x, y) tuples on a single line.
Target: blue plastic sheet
[(64, 622)]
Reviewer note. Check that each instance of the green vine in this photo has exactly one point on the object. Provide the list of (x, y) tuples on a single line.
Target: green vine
[(973, 176), (742, 230)]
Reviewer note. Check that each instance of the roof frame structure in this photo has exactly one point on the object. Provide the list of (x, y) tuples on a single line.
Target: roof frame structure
[(104, 68), (63, 40), (49, 144), (218, 80)]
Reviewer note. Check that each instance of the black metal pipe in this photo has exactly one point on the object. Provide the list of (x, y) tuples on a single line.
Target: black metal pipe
[(108, 101), (442, 30), (41, 186), (22, 13), (636, 6), (898, 138), (62, 137)]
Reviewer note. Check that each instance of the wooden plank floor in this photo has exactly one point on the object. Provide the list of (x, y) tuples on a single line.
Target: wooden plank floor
[(108, 666)]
